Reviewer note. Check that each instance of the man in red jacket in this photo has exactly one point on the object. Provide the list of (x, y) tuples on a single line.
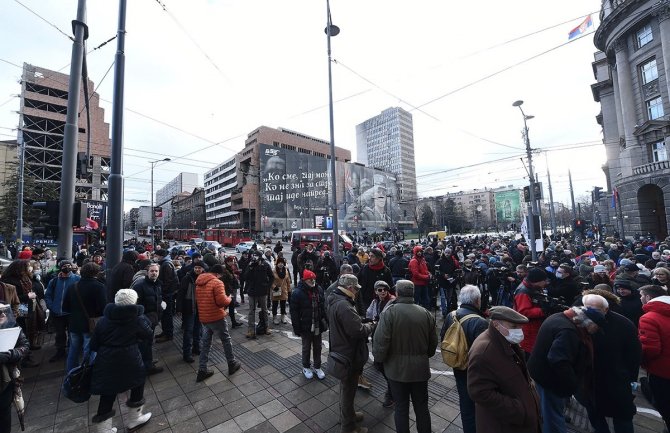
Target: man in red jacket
[(654, 331), (418, 269), (211, 299), (525, 303)]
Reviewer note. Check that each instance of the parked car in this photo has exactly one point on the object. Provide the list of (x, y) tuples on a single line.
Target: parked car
[(244, 246), (213, 245)]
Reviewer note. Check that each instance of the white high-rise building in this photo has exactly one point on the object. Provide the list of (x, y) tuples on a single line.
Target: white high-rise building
[(386, 142)]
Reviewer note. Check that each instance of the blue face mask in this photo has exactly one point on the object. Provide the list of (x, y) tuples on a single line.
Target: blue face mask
[(559, 275)]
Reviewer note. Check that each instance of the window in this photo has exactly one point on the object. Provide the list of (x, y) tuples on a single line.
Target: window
[(644, 36), (659, 152), (655, 108), (649, 71)]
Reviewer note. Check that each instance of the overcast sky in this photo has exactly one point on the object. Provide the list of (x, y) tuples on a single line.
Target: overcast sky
[(217, 69)]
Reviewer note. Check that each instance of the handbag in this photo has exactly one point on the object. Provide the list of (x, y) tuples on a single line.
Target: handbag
[(276, 292), (77, 384), (338, 365)]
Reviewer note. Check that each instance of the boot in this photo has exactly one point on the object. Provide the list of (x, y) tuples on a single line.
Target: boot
[(275, 319), (233, 367), (283, 319), (136, 418), (102, 427)]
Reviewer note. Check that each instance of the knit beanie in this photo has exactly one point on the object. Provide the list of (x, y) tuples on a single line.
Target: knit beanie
[(125, 297)]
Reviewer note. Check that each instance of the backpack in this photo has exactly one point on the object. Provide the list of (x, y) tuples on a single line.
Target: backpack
[(454, 345)]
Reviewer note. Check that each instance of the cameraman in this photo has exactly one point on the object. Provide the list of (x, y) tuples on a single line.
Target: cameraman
[(446, 274), (526, 302), (565, 286)]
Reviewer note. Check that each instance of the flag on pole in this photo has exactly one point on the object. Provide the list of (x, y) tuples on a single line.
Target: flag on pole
[(615, 197), (581, 29)]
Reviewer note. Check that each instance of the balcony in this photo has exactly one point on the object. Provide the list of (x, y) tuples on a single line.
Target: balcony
[(651, 167)]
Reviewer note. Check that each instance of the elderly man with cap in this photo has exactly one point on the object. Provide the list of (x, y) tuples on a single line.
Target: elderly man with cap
[(527, 304), (54, 296), (170, 286), (561, 363), (498, 380), (404, 342), (348, 337)]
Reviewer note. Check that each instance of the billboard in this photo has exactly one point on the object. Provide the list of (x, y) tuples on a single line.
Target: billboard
[(295, 189), (508, 206)]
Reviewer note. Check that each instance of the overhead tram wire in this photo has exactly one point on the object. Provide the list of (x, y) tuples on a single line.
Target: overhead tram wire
[(45, 20)]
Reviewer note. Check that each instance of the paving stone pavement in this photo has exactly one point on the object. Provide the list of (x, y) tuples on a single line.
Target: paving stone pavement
[(268, 394)]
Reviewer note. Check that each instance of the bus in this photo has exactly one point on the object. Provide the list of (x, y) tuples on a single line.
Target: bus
[(316, 237), (228, 237)]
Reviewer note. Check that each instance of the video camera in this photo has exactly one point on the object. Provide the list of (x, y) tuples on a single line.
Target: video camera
[(549, 304)]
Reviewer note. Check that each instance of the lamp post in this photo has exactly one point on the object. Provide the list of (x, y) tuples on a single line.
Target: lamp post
[(531, 207), (332, 30), (153, 212)]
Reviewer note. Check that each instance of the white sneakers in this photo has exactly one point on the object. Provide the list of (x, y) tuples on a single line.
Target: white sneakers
[(309, 373)]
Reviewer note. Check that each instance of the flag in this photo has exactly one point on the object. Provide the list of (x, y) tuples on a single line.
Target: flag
[(615, 198), (580, 29)]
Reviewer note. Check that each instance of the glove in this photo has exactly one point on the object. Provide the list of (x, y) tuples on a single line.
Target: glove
[(163, 305)]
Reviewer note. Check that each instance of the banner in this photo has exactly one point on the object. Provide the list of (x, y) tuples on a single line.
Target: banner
[(508, 206)]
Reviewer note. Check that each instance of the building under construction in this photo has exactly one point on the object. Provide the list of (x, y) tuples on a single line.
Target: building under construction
[(42, 117)]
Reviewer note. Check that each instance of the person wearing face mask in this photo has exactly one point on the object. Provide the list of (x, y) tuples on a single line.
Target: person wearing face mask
[(561, 363), (308, 316), (9, 373), (280, 290), (54, 296), (498, 380), (565, 287)]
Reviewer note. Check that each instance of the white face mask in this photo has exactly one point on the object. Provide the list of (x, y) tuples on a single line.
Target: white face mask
[(515, 336)]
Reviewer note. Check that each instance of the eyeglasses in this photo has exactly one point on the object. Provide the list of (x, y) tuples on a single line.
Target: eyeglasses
[(381, 289)]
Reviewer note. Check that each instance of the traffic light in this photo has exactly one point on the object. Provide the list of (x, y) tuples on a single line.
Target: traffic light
[(596, 193), (47, 223), (578, 225)]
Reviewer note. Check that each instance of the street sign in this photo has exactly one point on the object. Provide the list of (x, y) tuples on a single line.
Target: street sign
[(158, 212)]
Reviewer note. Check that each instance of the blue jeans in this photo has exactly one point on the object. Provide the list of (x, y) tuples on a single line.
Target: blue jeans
[(421, 296), (219, 327), (553, 408), (192, 331), (78, 343), (466, 404), (445, 299)]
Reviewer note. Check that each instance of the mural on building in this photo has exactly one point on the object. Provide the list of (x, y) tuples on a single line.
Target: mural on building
[(508, 206)]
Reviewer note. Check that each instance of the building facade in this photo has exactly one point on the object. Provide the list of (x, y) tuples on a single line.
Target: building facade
[(42, 117), (188, 209), (184, 182), (386, 141), (219, 184), (632, 71)]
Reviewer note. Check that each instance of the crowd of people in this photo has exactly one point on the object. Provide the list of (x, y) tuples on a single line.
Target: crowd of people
[(579, 321)]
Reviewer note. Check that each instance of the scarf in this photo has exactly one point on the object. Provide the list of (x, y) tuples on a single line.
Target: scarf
[(378, 267), (26, 284), (314, 298), (585, 339)]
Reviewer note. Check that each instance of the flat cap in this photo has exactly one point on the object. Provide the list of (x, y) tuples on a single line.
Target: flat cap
[(501, 312), (348, 280)]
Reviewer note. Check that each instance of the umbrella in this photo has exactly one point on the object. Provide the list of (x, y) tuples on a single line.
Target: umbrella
[(18, 398)]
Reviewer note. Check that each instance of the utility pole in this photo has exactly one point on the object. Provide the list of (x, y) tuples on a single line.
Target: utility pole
[(531, 210), (572, 197), (115, 218), (552, 214), (20, 186), (332, 30), (71, 136)]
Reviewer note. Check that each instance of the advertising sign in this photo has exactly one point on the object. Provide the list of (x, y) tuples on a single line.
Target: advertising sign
[(370, 198), (508, 206)]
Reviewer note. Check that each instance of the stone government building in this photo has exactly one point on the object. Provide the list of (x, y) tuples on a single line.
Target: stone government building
[(632, 71)]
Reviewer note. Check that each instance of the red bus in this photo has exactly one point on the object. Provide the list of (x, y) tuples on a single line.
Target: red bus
[(228, 237), (183, 235)]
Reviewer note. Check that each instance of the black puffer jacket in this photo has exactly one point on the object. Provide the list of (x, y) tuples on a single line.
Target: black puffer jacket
[(301, 308), (149, 296), (118, 365), (258, 278)]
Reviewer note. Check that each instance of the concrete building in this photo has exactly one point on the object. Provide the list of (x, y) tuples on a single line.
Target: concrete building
[(184, 182), (245, 197), (143, 217), (188, 209), (42, 118), (219, 184), (632, 71), (386, 141), (8, 160)]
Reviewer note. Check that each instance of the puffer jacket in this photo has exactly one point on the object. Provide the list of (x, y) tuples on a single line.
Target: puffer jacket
[(211, 298), (149, 295), (348, 335), (118, 365), (523, 304), (654, 336), (405, 340), (301, 308), (418, 269)]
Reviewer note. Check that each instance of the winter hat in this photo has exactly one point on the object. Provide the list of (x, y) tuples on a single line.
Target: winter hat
[(631, 267), (377, 252), (125, 297), (161, 252), (625, 262), (535, 275), (25, 255), (308, 275)]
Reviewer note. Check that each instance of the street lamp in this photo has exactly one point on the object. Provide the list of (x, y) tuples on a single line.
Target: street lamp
[(153, 212), (531, 207), (332, 30)]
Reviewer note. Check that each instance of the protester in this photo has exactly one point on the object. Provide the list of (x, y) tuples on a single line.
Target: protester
[(404, 342), (281, 287), (258, 280), (148, 288), (121, 276), (115, 340), (420, 276), (54, 296), (191, 327), (169, 288), (532, 285), (308, 316), (383, 300)]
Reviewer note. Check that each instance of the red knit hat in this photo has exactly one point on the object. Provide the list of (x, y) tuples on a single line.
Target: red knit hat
[(308, 275), (25, 255)]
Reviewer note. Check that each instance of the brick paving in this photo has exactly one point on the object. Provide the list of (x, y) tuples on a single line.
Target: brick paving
[(268, 395)]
